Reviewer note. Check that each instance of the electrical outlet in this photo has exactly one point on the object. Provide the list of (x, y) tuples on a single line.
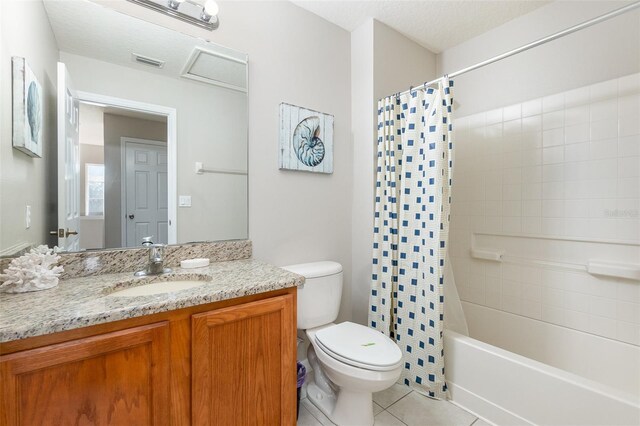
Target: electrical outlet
[(27, 217)]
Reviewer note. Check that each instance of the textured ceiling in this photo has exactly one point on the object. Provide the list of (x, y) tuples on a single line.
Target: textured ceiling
[(435, 24)]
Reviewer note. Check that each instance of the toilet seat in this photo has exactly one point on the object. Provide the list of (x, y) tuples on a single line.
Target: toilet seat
[(359, 346)]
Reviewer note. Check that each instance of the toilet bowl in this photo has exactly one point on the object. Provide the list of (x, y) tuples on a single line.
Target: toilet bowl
[(354, 378), (350, 361)]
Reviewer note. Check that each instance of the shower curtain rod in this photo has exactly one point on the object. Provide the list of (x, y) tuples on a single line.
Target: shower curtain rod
[(536, 43)]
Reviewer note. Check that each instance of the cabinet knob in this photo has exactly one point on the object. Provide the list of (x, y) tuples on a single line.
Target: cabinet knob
[(131, 216)]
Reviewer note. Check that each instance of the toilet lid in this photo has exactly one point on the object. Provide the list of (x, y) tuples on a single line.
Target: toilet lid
[(360, 346)]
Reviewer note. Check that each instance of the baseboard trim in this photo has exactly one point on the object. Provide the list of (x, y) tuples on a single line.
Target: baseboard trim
[(15, 249)]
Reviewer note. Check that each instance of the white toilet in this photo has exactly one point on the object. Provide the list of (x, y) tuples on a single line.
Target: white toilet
[(349, 361)]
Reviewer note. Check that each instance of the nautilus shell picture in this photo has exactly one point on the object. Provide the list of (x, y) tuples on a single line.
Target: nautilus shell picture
[(34, 112), (28, 108), (306, 139), (307, 143)]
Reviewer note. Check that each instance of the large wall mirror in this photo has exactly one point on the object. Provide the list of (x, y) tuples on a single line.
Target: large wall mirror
[(148, 136)]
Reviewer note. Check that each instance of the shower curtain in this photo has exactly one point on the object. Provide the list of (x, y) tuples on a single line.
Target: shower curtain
[(411, 224)]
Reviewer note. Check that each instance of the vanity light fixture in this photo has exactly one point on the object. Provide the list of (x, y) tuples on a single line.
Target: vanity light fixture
[(209, 10), (191, 11), (174, 4)]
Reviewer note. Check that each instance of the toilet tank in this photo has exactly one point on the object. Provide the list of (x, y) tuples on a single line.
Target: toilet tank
[(319, 297)]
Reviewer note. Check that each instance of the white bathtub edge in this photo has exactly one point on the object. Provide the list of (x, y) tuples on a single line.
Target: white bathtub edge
[(508, 389), (480, 407), (601, 388)]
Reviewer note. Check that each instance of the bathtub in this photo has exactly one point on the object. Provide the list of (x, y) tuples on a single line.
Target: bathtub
[(506, 388)]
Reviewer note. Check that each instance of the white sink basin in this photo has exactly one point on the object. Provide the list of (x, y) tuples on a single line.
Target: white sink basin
[(158, 287)]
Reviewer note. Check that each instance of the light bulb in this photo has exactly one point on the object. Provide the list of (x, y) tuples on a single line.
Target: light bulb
[(211, 8)]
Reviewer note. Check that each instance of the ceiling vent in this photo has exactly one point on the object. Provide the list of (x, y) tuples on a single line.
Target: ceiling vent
[(218, 69), (145, 60)]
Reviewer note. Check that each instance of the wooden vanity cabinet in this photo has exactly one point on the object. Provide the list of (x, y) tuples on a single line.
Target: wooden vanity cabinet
[(224, 363), (116, 378), (242, 364)]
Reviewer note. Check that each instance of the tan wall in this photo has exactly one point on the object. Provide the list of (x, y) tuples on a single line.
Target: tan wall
[(25, 32), (304, 60), (299, 58), (398, 62), (116, 127), (383, 62)]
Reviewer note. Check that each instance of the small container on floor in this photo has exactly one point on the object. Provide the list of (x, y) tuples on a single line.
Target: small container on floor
[(302, 372)]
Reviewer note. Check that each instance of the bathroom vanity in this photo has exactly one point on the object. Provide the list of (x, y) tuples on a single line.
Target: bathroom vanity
[(218, 353)]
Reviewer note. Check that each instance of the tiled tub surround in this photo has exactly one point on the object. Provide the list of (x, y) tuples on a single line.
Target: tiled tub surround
[(85, 301), (98, 262), (553, 182)]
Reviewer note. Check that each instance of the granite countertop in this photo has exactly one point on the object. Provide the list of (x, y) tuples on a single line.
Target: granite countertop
[(81, 302)]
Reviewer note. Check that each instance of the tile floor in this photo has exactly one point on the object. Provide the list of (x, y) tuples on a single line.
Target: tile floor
[(400, 406)]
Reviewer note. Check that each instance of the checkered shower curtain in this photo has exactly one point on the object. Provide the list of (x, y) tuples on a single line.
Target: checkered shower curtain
[(412, 204)]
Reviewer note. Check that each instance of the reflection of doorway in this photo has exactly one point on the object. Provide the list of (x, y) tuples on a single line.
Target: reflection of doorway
[(132, 120), (119, 125), (103, 217), (144, 191)]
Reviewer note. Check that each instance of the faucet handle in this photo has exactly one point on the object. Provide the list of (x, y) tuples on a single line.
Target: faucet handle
[(156, 251), (147, 241)]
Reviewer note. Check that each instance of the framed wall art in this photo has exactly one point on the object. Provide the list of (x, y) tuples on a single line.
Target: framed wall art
[(28, 114), (306, 139)]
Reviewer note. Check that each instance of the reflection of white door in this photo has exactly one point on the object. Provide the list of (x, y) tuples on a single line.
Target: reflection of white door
[(145, 192), (68, 163)]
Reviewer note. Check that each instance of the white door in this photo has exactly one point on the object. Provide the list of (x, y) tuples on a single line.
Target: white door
[(145, 195), (68, 163)]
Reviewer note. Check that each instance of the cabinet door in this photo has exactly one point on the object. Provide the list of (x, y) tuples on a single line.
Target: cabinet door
[(243, 362), (118, 378)]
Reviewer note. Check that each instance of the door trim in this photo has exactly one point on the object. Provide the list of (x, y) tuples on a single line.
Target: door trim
[(172, 148), (123, 180)]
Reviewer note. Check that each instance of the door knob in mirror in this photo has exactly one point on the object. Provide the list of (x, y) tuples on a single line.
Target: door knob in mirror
[(59, 233)]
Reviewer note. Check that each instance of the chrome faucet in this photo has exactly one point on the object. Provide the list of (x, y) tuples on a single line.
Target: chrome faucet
[(156, 259)]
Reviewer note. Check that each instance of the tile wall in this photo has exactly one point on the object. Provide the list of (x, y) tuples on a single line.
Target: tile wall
[(553, 182)]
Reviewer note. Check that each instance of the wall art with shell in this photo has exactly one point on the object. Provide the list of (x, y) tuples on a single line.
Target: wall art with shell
[(306, 139), (28, 109)]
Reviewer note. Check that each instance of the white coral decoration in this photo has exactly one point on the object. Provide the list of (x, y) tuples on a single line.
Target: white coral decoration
[(33, 271)]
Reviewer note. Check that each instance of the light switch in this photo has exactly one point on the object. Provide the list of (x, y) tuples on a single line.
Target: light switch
[(184, 201), (27, 217)]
